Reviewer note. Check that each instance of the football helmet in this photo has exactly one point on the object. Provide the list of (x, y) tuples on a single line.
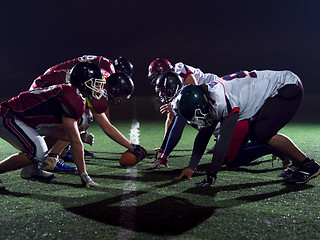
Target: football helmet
[(87, 77), (192, 104), (119, 85), (167, 87), (157, 67), (123, 65)]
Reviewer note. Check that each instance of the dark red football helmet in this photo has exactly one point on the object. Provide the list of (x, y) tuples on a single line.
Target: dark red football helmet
[(157, 67)]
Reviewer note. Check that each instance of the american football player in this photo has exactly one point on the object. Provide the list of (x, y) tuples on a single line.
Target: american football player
[(186, 73), (241, 152), (98, 107), (271, 98), (174, 124), (53, 112)]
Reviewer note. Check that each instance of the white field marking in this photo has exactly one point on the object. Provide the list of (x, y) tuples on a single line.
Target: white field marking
[(129, 201)]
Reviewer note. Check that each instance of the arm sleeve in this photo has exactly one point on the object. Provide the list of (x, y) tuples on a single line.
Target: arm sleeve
[(200, 145), (220, 150), (176, 130)]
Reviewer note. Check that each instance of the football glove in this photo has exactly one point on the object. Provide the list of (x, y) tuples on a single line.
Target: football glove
[(156, 156), (208, 181), (139, 151), (161, 161), (87, 181), (87, 138)]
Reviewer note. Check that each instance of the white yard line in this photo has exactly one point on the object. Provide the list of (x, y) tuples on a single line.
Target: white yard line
[(129, 201)]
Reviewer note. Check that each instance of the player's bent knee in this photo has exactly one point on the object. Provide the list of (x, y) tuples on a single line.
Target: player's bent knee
[(262, 137)]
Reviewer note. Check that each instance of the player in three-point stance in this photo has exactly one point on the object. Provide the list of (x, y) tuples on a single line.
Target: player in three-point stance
[(270, 98), (118, 85), (51, 111), (168, 81)]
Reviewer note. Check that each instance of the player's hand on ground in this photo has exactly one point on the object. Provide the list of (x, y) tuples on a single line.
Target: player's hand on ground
[(139, 151), (188, 172), (87, 180), (166, 108), (158, 164), (87, 138), (156, 156)]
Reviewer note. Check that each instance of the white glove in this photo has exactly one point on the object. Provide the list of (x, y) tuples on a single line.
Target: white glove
[(87, 181), (87, 138)]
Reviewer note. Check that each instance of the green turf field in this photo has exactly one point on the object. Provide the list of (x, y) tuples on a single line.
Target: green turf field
[(136, 203)]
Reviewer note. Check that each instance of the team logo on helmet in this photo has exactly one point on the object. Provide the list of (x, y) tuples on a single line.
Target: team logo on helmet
[(192, 104)]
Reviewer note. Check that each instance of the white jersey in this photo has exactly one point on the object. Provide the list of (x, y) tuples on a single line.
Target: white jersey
[(246, 91), (184, 70)]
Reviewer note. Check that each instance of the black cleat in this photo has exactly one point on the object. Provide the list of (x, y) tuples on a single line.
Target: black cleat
[(307, 170)]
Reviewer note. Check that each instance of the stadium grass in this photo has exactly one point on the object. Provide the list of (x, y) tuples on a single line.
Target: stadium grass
[(249, 203)]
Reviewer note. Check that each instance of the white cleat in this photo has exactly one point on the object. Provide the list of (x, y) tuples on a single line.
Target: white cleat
[(33, 171)]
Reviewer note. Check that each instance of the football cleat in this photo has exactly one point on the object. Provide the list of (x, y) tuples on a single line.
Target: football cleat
[(33, 171), (289, 171), (208, 181), (2, 188), (87, 180), (67, 157), (61, 167), (53, 164), (307, 170)]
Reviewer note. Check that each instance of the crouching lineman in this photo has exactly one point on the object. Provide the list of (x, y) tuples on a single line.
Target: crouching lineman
[(271, 98), (51, 111), (119, 84)]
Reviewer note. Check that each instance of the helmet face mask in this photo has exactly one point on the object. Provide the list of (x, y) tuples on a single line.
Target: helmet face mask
[(165, 96), (200, 119), (192, 104), (167, 87), (87, 77), (96, 86)]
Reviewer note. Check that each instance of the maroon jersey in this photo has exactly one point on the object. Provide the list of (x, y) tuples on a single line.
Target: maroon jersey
[(104, 63), (61, 76), (43, 107), (100, 106), (51, 78)]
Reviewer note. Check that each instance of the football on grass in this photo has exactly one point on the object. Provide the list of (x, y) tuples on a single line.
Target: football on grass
[(128, 159)]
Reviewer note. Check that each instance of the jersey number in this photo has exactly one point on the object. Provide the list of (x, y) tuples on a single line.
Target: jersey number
[(240, 74)]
